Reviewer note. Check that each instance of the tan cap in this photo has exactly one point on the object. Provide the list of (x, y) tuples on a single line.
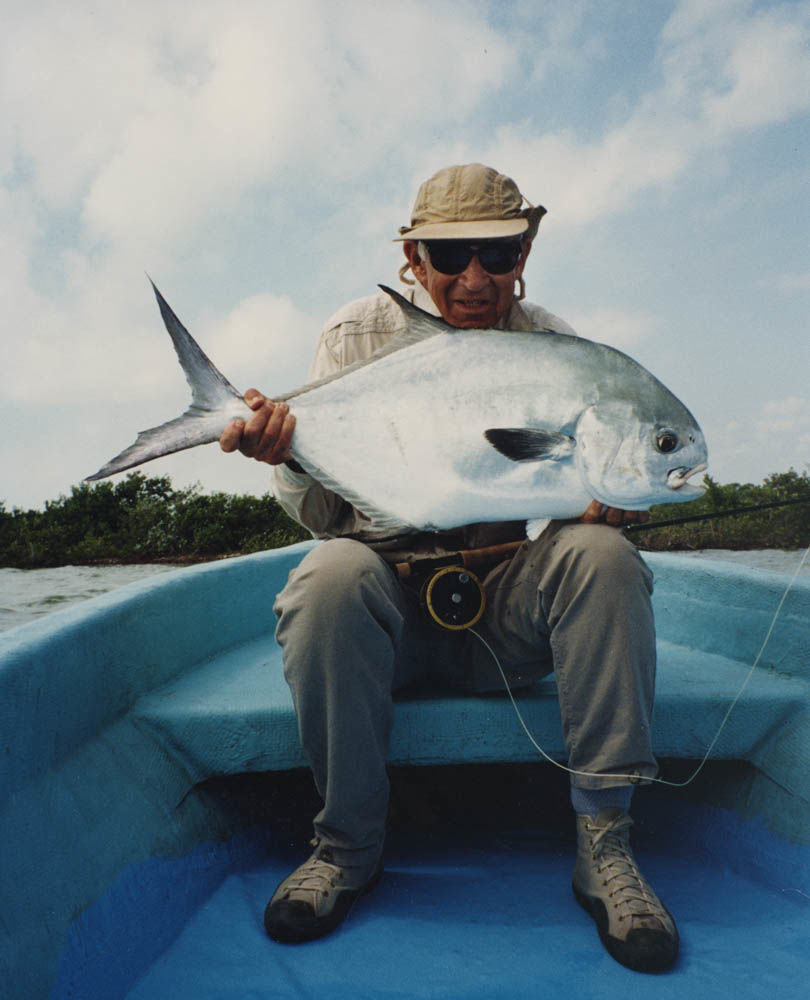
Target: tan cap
[(470, 202)]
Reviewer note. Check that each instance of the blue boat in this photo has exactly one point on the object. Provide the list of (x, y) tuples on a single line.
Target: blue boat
[(153, 793)]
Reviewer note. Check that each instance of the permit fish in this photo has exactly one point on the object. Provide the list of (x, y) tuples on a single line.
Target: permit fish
[(445, 427)]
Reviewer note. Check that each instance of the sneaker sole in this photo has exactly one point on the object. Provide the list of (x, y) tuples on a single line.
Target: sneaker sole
[(657, 955)]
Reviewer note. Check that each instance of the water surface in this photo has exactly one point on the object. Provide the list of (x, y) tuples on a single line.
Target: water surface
[(27, 594)]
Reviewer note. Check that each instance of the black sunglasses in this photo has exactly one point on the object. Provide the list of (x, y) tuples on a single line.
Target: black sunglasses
[(453, 256)]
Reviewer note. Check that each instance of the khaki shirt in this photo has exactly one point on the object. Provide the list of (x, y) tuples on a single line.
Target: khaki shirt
[(354, 333)]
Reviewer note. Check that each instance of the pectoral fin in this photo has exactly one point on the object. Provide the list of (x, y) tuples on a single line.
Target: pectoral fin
[(526, 444), (536, 527)]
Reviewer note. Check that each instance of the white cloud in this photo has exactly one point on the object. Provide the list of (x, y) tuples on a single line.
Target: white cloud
[(285, 86), (84, 348), (158, 118), (162, 121), (19, 232), (144, 124), (778, 429), (790, 415), (798, 281), (582, 181), (264, 343), (766, 73), (611, 325), (725, 71), (193, 144), (69, 88), (692, 17)]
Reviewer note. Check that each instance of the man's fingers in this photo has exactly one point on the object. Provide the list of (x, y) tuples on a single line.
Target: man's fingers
[(232, 435), (257, 428), (636, 516), (281, 451), (266, 436), (614, 516), (254, 399), (593, 513), (276, 434)]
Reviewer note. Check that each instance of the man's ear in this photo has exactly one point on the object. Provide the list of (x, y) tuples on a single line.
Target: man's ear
[(527, 245), (411, 250)]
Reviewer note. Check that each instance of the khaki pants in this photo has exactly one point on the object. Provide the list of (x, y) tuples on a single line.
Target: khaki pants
[(576, 601)]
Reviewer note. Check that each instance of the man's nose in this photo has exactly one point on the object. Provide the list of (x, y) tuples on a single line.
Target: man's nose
[(474, 276)]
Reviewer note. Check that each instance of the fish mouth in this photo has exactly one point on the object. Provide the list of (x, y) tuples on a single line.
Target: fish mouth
[(678, 478)]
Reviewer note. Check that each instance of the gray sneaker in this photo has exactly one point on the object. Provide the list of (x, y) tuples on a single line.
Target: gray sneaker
[(316, 897), (633, 923)]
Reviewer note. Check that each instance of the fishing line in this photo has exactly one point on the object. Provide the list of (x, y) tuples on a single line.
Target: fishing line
[(657, 781)]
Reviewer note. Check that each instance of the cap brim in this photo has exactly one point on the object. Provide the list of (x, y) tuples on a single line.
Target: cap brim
[(485, 229)]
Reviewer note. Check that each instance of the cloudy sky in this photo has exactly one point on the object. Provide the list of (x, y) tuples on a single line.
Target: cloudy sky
[(256, 157)]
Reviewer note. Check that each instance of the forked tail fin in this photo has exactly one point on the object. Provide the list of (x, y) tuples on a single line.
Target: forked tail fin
[(214, 403), (209, 387)]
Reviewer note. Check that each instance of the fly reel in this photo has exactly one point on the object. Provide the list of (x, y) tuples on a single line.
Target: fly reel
[(453, 597)]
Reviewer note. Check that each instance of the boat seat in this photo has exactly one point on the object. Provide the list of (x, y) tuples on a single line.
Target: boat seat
[(234, 714), (231, 712)]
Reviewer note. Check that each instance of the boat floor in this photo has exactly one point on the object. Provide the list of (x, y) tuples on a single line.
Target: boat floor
[(488, 920), (476, 902)]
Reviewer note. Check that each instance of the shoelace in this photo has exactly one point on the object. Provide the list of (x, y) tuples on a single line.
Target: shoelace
[(317, 875), (628, 889)]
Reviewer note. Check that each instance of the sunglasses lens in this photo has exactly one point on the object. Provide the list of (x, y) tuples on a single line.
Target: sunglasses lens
[(499, 260), (451, 257)]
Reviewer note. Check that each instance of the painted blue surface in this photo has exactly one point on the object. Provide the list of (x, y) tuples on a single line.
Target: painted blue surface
[(85, 791), (112, 713), (480, 915)]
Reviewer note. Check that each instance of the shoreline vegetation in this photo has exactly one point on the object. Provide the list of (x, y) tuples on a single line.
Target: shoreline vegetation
[(146, 520)]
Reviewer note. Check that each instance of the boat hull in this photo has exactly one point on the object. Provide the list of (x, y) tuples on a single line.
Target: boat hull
[(119, 714)]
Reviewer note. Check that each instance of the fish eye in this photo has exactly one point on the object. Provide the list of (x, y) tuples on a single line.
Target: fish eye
[(666, 441)]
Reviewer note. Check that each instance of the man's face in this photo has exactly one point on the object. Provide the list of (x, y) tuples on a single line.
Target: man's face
[(473, 297)]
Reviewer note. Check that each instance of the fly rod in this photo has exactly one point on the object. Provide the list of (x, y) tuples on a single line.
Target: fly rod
[(649, 525)]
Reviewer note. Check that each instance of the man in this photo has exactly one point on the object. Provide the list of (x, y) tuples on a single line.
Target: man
[(576, 601)]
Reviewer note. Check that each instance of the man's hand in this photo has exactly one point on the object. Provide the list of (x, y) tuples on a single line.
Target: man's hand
[(614, 516), (266, 436)]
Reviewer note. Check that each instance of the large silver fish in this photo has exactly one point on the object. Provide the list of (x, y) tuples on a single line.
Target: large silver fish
[(446, 427)]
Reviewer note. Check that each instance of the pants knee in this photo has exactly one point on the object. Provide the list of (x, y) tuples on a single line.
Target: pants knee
[(604, 550), (339, 622), (344, 594), (593, 566), (330, 578)]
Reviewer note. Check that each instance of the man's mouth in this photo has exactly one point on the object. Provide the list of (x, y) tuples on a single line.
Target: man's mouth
[(473, 303)]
